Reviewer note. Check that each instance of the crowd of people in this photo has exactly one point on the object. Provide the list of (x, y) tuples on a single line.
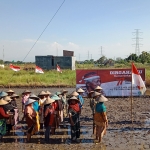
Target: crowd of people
[(47, 111)]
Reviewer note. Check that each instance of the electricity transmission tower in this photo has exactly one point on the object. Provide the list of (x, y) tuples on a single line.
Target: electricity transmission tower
[(137, 41)]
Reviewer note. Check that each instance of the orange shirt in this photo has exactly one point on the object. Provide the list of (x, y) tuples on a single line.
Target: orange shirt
[(29, 110)]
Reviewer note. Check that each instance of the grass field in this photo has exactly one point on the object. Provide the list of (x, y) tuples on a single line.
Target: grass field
[(23, 78)]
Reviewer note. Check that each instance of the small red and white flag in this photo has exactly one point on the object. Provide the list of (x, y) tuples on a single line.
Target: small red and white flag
[(137, 80), (38, 70), (15, 68), (58, 69)]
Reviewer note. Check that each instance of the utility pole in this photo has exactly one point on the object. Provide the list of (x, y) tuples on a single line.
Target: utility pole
[(137, 40), (88, 55), (79, 57), (3, 54), (101, 51)]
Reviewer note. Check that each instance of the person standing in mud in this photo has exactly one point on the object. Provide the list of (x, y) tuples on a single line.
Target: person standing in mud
[(30, 115), (42, 96), (93, 103), (9, 109), (74, 112), (48, 117), (56, 113), (100, 118), (3, 117), (36, 107), (60, 108), (14, 97), (81, 100), (25, 96), (64, 100)]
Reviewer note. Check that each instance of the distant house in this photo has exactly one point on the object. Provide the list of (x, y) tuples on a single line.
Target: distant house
[(50, 62)]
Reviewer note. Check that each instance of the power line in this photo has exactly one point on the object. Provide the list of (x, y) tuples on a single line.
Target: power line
[(44, 29)]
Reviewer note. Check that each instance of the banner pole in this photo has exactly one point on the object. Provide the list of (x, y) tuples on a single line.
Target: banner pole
[(131, 98)]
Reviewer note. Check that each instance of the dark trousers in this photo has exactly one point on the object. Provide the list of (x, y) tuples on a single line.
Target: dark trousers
[(75, 132), (47, 133)]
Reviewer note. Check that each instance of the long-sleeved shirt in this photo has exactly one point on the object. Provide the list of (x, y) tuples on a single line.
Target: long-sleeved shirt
[(3, 115)]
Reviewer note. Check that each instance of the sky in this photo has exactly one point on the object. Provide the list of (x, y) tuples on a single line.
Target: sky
[(90, 28)]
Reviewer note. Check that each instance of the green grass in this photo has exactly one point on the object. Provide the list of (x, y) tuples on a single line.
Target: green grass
[(9, 78)]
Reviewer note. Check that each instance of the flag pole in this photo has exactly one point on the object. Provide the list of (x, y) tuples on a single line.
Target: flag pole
[(131, 97)]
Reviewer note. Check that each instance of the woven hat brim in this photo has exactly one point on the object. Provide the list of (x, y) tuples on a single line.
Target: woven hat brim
[(3, 102)]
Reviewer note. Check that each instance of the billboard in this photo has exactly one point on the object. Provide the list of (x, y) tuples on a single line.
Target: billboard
[(115, 82)]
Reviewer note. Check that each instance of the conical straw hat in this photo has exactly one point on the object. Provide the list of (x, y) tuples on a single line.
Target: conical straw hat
[(101, 99), (3, 102), (7, 98), (3, 94), (34, 96), (80, 90), (14, 95), (73, 98), (29, 101), (48, 93), (42, 93), (58, 93), (74, 93), (10, 91), (64, 91), (55, 97), (96, 94), (98, 88), (26, 91), (49, 101)]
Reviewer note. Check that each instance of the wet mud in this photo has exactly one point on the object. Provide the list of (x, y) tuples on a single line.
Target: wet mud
[(121, 134)]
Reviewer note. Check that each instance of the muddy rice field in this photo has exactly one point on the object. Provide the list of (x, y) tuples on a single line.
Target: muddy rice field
[(121, 134)]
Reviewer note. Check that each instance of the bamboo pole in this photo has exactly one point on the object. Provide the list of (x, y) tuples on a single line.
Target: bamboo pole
[(131, 98)]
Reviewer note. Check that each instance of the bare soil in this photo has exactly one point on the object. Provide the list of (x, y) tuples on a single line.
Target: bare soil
[(121, 134)]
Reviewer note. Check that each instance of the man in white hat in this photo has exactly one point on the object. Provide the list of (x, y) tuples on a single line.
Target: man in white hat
[(92, 80)]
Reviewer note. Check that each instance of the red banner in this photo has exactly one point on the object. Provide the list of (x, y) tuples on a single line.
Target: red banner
[(115, 82)]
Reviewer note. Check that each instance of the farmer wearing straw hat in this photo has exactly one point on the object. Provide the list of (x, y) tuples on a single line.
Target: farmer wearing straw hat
[(48, 117), (93, 103), (98, 89), (10, 109), (30, 115), (60, 107), (25, 96), (36, 107), (80, 92), (64, 100), (100, 118), (42, 96), (14, 97), (3, 116), (10, 92), (74, 93), (56, 114), (3, 94), (74, 112)]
